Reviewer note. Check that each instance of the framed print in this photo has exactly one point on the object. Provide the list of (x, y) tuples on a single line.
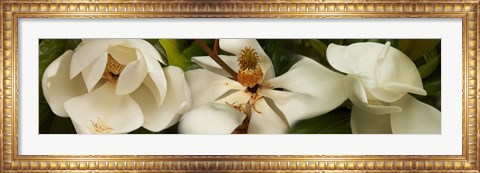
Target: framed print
[(258, 86)]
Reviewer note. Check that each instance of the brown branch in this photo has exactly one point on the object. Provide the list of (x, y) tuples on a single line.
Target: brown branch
[(215, 47), (216, 58)]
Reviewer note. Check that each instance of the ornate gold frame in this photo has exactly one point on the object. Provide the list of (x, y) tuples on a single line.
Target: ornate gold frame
[(11, 11)]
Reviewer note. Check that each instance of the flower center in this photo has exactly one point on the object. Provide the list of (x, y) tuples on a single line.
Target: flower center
[(113, 69), (250, 73), (99, 127), (253, 89)]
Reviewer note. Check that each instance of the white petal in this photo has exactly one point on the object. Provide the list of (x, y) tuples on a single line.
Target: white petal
[(416, 117), (157, 87), (311, 78), (94, 72), (211, 119), (397, 75), (207, 87), (386, 72), (132, 76), (177, 101), (406, 88), (145, 48), (296, 106), (235, 46), (310, 90), (356, 59), (88, 52), (155, 80), (123, 54), (396, 67), (265, 121), (207, 63), (363, 122), (120, 113), (237, 98), (57, 86), (358, 96)]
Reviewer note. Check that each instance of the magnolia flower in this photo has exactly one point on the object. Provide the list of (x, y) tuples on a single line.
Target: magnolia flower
[(121, 87), (379, 78), (257, 102)]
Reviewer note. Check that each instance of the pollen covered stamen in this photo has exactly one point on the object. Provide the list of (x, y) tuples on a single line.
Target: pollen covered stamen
[(113, 69), (248, 58), (99, 127), (250, 72)]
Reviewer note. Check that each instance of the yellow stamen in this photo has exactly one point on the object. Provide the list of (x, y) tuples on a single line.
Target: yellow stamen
[(250, 72), (99, 127), (248, 58), (113, 69)]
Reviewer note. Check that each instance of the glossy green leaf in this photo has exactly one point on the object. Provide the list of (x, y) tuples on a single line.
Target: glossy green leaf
[(334, 41), (62, 125), (351, 41), (319, 47), (49, 50), (428, 68), (415, 48), (432, 84), (430, 71), (281, 55), (304, 47), (45, 117), (195, 50), (175, 56), (334, 122)]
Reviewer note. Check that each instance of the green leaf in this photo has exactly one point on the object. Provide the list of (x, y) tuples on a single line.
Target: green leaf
[(306, 47), (46, 117), (282, 57), (72, 44), (194, 49), (334, 41), (415, 48), (170, 130), (319, 47), (334, 122), (428, 68), (351, 41), (175, 56), (51, 49), (62, 125), (432, 84)]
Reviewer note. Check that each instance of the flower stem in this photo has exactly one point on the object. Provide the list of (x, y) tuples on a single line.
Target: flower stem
[(215, 47), (216, 58)]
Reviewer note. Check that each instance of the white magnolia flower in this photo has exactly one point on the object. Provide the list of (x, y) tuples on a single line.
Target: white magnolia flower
[(121, 87), (259, 100), (379, 78)]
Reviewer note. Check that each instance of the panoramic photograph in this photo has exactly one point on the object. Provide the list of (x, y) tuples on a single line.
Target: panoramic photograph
[(239, 86)]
